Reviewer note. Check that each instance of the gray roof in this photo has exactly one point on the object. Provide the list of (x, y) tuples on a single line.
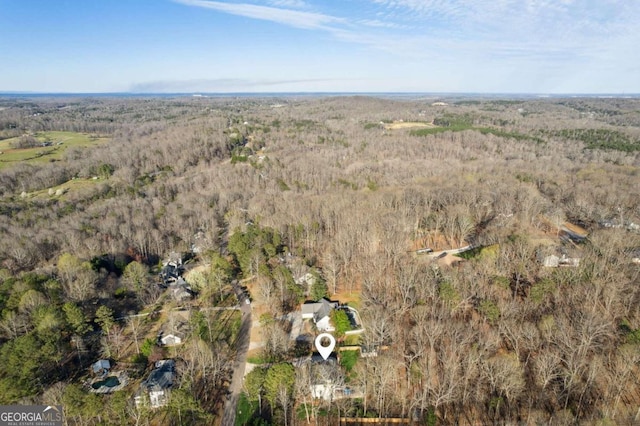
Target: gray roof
[(310, 308), (332, 359), (100, 365), (162, 376), (182, 291), (325, 308), (171, 272), (319, 309)]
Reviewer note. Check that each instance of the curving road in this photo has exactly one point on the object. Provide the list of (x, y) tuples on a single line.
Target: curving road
[(242, 347)]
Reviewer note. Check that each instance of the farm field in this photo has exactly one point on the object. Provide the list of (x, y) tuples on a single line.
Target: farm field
[(55, 144)]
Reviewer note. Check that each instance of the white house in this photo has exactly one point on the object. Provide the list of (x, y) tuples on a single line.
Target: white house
[(324, 391), (326, 378), (171, 339), (319, 312), (175, 330), (158, 384), (554, 261)]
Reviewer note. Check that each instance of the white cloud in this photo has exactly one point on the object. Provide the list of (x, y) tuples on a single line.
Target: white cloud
[(378, 23), (532, 26), (535, 28), (293, 18), (551, 36), (292, 4), (543, 19)]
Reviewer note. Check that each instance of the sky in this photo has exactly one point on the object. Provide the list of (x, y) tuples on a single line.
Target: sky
[(191, 46)]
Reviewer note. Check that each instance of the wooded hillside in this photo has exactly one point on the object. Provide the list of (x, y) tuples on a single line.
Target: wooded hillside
[(491, 335)]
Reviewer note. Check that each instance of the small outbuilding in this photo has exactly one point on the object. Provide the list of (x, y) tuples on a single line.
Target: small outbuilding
[(101, 367)]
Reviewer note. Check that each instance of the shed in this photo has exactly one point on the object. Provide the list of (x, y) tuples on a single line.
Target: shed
[(101, 367)]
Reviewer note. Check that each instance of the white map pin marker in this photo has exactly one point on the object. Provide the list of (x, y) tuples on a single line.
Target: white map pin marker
[(325, 351)]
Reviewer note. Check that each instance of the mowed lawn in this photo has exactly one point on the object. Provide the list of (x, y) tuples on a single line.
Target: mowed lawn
[(59, 143)]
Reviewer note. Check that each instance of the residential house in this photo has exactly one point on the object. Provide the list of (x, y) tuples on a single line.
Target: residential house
[(611, 223), (172, 269), (175, 330), (172, 339), (171, 273), (319, 312), (182, 291), (316, 358), (326, 378), (158, 385), (553, 261), (616, 223)]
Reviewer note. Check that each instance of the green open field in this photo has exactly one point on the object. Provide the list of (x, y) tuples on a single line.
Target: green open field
[(70, 189), (59, 143)]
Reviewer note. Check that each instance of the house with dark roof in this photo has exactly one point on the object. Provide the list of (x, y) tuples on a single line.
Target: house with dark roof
[(316, 358), (172, 269), (171, 273), (157, 386), (319, 312)]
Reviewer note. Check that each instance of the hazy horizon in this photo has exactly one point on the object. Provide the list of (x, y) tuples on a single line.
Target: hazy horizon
[(431, 95)]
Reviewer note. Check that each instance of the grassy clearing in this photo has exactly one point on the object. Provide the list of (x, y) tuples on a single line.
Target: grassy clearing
[(71, 187), (353, 340), (349, 298), (57, 144), (408, 125)]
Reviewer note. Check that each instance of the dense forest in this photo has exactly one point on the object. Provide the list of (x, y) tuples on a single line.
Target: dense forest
[(535, 321)]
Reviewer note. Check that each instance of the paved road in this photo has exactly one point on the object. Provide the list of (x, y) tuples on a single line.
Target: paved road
[(242, 347)]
